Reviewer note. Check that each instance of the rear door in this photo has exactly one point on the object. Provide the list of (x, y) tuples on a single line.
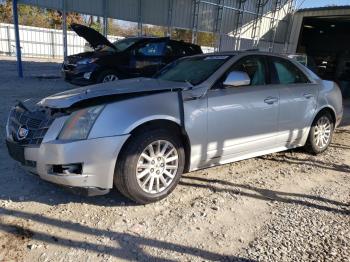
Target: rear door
[(243, 119), (148, 58), (298, 97), (172, 52)]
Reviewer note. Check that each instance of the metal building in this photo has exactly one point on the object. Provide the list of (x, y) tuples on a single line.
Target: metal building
[(330, 15), (323, 36), (236, 24)]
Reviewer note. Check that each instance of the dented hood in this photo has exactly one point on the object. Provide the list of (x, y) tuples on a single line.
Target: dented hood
[(121, 87)]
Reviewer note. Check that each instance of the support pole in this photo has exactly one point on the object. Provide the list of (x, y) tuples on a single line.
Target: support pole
[(105, 18), (291, 12), (139, 22), (195, 15), (217, 25), (239, 24), (170, 17), (18, 43), (273, 25), (64, 28)]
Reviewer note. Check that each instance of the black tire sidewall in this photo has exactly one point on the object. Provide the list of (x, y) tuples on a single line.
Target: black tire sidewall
[(131, 154), (312, 143)]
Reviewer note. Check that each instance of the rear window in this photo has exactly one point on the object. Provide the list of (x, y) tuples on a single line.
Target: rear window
[(185, 49), (193, 49), (287, 72)]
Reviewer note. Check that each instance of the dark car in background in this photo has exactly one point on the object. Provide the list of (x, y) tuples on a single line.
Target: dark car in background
[(126, 58), (305, 60)]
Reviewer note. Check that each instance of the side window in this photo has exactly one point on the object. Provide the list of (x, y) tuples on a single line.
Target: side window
[(177, 49), (287, 73), (169, 50), (152, 49), (254, 66)]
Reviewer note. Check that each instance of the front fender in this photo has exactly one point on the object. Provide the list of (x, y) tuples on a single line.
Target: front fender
[(121, 117)]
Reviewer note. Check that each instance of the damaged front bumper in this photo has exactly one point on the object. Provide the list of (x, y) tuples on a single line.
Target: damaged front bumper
[(85, 164)]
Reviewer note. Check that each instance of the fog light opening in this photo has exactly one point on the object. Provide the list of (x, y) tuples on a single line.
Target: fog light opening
[(87, 75), (68, 169)]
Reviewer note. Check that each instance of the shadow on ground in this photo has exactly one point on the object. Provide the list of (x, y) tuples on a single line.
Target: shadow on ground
[(34, 69), (123, 241), (216, 185)]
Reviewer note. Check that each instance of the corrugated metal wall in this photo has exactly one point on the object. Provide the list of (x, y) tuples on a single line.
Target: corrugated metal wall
[(186, 15)]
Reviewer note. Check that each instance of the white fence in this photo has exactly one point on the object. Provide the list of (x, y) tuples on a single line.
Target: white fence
[(45, 43), (41, 42)]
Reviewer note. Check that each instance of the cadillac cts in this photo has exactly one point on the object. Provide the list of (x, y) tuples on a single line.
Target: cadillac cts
[(141, 134)]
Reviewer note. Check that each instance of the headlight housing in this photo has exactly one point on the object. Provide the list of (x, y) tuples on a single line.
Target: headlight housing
[(87, 61), (79, 123)]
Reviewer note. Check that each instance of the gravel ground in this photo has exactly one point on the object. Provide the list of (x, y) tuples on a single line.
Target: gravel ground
[(287, 206)]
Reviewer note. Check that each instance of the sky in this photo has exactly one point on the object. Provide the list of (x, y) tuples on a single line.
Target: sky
[(320, 3)]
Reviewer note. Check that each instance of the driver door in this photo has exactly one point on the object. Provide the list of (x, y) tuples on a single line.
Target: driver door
[(242, 120)]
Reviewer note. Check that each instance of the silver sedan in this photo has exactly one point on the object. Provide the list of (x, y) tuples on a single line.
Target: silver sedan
[(142, 134)]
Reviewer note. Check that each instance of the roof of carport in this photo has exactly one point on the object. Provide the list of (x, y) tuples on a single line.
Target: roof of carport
[(155, 12), (325, 8), (200, 15)]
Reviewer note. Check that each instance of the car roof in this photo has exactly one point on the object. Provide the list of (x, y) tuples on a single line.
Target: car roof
[(243, 52), (160, 38)]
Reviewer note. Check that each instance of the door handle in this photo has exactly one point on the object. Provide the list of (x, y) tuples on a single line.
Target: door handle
[(271, 100), (308, 95)]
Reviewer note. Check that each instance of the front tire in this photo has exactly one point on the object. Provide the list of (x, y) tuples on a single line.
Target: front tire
[(150, 165), (107, 76), (321, 133)]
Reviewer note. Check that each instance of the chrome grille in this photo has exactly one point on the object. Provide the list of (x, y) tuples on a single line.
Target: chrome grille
[(37, 122)]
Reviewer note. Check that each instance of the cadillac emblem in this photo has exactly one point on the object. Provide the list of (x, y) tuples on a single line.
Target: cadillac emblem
[(22, 132)]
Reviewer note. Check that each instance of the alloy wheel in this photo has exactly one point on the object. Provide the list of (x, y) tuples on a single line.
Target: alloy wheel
[(109, 78), (157, 166), (322, 132)]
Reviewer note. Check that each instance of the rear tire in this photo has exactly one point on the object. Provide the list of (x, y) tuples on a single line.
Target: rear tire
[(150, 165), (321, 133)]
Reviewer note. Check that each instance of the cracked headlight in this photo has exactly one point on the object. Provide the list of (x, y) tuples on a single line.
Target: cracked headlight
[(79, 123)]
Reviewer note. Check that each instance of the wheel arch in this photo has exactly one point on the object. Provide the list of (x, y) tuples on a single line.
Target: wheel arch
[(328, 109), (325, 108), (309, 143), (172, 126), (97, 74)]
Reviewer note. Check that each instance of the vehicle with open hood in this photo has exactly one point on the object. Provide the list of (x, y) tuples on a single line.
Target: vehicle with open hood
[(141, 134), (126, 58)]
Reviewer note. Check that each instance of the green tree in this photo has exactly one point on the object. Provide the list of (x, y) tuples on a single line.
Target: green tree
[(152, 30), (35, 16)]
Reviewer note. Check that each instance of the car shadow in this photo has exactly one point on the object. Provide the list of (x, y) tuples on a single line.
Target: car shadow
[(125, 245), (35, 69), (216, 185), (285, 158)]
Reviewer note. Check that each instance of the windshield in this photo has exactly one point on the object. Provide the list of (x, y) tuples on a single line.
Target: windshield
[(193, 70), (121, 45)]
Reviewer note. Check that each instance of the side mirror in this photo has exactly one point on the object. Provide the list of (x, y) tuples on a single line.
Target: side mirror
[(237, 78)]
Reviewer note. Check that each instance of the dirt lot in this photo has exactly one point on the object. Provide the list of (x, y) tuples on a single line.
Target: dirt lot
[(287, 206)]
